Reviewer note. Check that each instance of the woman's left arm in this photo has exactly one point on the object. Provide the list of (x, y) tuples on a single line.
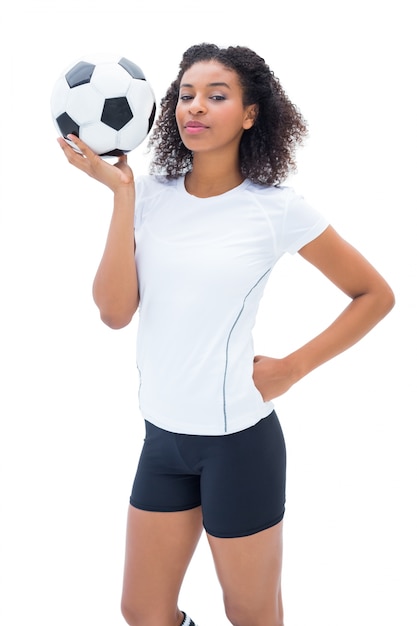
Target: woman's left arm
[(371, 299)]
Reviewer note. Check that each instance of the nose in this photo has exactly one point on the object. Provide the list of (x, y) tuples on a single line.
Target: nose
[(197, 106)]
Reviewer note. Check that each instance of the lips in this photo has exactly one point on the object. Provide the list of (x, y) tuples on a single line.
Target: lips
[(193, 124), (192, 127)]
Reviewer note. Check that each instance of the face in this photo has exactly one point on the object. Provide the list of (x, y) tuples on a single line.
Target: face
[(210, 112)]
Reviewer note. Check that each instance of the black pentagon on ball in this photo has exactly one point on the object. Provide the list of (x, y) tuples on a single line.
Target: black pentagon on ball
[(67, 126), (80, 74), (133, 69), (152, 117), (116, 112), (116, 152)]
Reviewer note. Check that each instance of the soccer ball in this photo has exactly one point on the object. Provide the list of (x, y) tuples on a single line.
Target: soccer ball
[(107, 103)]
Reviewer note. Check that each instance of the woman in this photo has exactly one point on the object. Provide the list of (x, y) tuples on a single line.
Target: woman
[(194, 242)]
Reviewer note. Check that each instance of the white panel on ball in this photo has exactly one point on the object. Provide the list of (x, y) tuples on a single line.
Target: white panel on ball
[(111, 78), (84, 104)]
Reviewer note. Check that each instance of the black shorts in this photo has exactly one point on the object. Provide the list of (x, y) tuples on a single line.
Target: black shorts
[(238, 479)]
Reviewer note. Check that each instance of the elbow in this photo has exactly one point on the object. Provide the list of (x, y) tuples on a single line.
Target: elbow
[(386, 300), (380, 299), (116, 318), (116, 313), (115, 322), (389, 299)]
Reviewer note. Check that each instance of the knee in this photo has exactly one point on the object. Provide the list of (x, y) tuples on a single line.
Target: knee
[(241, 614), (133, 614), (137, 615), (130, 614), (238, 614)]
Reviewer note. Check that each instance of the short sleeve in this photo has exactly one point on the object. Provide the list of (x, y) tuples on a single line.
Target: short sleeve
[(139, 193), (302, 223), (148, 189)]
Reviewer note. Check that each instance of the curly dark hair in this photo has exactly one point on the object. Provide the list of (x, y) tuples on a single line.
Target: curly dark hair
[(267, 150)]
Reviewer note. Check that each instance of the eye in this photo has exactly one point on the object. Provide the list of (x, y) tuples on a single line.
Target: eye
[(217, 98), (185, 97)]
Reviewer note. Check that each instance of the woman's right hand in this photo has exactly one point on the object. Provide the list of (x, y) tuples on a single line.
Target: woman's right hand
[(113, 176)]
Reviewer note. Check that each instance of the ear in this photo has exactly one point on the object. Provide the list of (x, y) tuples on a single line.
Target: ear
[(250, 117)]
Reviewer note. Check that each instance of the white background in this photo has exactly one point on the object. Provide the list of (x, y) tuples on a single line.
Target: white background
[(70, 427)]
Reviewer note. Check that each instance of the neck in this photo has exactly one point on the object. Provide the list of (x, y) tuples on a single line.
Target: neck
[(212, 177)]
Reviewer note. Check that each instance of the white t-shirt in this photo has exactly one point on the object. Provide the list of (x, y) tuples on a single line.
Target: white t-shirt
[(202, 265)]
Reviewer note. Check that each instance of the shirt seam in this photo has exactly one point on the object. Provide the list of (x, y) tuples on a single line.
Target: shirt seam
[(228, 342)]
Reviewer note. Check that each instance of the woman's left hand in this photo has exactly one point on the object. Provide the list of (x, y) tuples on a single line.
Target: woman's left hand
[(272, 377)]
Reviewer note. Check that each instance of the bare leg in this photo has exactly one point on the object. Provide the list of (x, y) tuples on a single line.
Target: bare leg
[(159, 547), (249, 571)]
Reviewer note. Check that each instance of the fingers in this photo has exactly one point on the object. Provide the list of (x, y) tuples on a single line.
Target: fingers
[(82, 147), (82, 157), (72, 152), (76, 145), (79, 154)]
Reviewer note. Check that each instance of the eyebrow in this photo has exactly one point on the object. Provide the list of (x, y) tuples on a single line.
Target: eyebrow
[(219, 84)]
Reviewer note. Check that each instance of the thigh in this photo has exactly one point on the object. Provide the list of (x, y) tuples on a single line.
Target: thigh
[(159, 546), (163, 482), (243, 481), (249, 571)]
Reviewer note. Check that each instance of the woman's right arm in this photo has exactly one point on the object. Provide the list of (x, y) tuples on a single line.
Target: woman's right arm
[(115, 287)]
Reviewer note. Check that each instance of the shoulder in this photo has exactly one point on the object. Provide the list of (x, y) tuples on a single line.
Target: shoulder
[(295, 221), (279, 195), (278, 200), (151, 192), (273, 193), (149, 184)]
